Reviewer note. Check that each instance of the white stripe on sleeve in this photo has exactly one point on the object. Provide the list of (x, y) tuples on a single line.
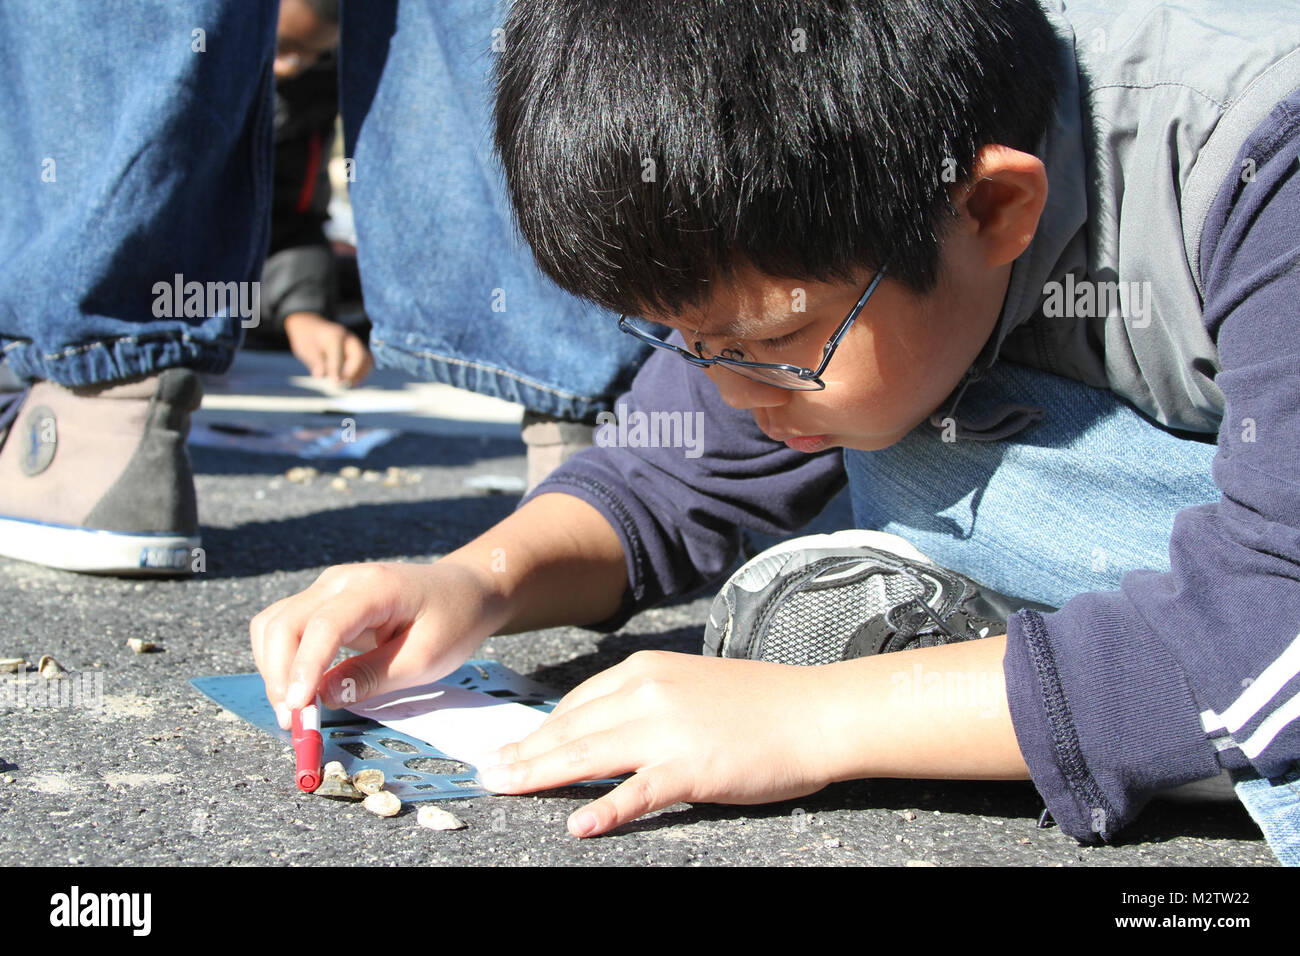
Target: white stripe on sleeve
[(1259, 693)]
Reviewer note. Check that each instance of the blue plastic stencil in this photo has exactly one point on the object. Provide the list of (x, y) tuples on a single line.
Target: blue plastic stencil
[(359, 743)]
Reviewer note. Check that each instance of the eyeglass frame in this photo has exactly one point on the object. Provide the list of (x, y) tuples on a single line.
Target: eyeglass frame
[(804, 374)]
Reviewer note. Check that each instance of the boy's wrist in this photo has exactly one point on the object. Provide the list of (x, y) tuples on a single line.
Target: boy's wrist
[(844, 711), (554, 562), (493, 595)]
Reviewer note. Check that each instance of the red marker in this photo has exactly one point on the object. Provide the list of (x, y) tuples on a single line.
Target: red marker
[(308, 747)]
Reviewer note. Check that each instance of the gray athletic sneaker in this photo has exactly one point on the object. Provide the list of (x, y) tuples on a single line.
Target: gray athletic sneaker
[(832, 597), (98, 478)]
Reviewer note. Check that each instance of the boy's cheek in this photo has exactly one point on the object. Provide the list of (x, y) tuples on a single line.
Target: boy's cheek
[(863, 422)]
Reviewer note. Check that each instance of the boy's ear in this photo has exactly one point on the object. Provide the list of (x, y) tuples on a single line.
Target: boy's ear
[(1001, 202)]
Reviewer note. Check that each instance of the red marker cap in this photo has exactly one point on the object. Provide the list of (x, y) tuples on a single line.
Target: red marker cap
[(308, 747)]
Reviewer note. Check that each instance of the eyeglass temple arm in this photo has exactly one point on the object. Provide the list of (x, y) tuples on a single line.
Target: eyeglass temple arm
[(848, 321)]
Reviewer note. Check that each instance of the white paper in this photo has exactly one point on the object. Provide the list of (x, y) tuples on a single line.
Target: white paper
[(466, 725)]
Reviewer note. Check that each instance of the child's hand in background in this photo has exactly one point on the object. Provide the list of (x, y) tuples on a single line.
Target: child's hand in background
[(699, 729), (415, 623), (327, 349)]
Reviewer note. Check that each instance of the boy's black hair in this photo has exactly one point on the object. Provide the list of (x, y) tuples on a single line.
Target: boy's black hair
[(805, 163)]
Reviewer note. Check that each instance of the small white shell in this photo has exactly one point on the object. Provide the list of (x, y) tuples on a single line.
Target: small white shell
[(300, 474), (51, 669), (436, 818), (140, 645), (334, 769), (12, 665), (350, 471), (368, 781), (384, 803), (339, 484)]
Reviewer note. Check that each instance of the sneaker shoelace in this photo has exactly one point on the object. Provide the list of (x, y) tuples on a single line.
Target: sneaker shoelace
[(968, 627)]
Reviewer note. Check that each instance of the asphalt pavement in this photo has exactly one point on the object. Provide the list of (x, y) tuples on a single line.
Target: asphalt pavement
[(145, 770)]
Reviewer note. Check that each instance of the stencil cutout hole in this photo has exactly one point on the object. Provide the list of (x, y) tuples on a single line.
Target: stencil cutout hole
[(408, 777), (399, 746), (364, 751), (434, 765)]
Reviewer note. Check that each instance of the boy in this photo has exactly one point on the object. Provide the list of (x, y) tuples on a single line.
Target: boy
[(849, 214)]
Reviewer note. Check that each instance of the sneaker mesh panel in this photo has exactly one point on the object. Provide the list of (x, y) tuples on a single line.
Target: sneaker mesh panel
[(812, 626)]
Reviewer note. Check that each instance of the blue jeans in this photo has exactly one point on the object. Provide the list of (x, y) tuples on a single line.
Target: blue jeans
[(1010, 516), (144, 157), (132, 149)]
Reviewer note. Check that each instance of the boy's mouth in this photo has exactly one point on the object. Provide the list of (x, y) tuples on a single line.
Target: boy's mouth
[(804, 443), (808, 444)]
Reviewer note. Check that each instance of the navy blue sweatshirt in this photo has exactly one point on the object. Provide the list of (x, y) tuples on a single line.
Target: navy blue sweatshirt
[(1173, 677)]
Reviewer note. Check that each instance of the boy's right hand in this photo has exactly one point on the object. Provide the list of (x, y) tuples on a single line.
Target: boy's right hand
[(415, 623)]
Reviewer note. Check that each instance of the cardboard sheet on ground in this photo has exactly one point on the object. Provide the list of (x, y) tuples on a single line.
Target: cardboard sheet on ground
[(428, 740)]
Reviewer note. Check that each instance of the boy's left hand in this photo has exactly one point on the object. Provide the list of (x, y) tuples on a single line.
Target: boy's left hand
[(689, 728)]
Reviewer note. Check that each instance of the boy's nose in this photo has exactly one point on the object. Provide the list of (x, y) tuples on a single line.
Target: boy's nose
[(745, 393)]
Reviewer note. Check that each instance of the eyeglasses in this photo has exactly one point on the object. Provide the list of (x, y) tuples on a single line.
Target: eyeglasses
[(779, 375)]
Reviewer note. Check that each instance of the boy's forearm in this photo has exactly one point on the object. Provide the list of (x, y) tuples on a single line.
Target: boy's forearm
[(553, 562), (938, 712)]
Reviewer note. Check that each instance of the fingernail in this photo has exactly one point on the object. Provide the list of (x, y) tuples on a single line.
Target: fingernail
[(296, 695), (495, 777), (282, 715), (582, 823)]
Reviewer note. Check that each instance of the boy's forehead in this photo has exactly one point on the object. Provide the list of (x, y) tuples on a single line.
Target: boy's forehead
[(752, 300)]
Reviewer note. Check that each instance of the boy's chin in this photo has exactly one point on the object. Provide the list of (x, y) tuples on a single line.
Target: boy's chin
[(875, 441), (881, 439), (869, 442)]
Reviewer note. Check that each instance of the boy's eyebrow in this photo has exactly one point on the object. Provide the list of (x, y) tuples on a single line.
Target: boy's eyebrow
[(742, 327)]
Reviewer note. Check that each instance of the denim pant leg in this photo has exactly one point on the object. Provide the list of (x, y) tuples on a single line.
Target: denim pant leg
[(451, 289), (1065, 507), (135, 149), (1275, 807)]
